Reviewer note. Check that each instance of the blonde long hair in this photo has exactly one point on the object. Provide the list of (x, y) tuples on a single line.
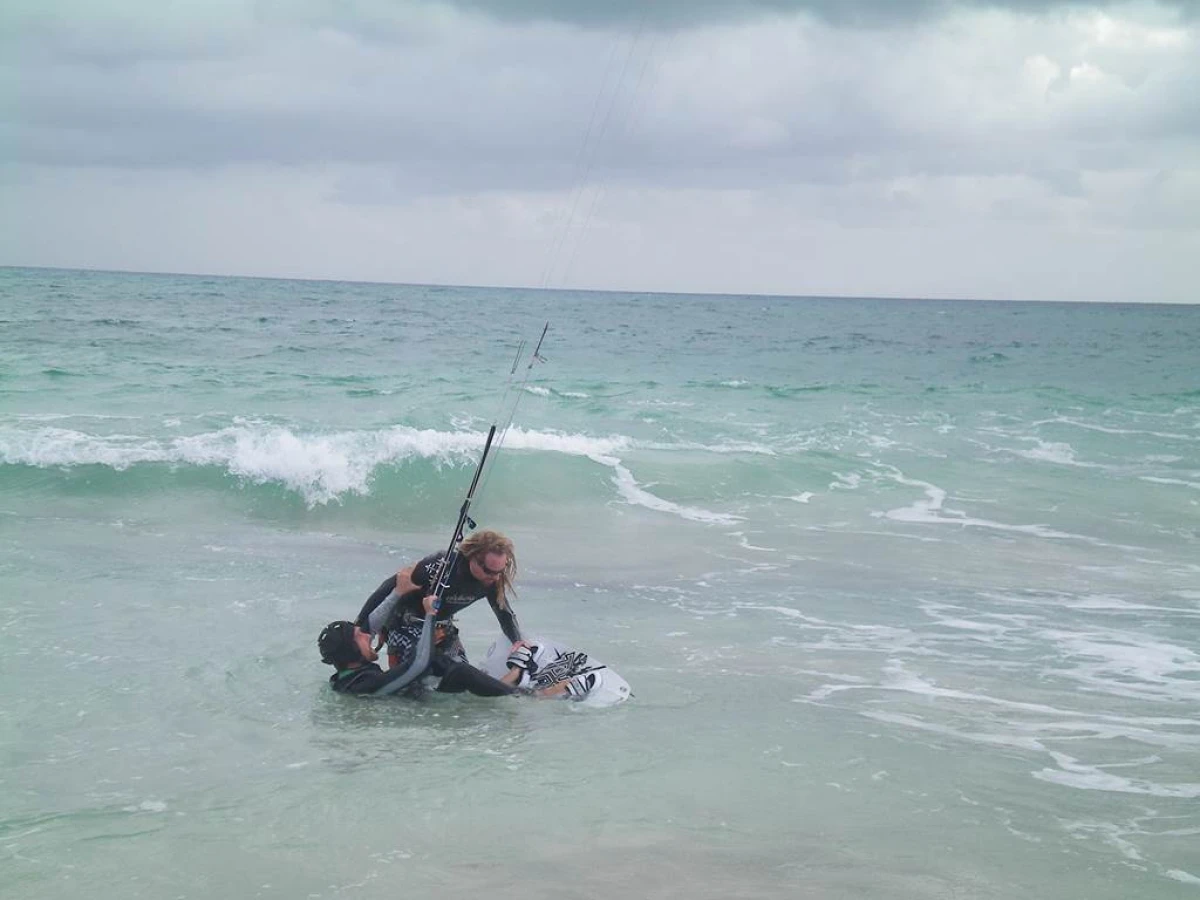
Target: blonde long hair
[(479, 545)]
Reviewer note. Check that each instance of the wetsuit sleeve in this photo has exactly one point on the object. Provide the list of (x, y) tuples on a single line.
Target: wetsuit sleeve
[(465, 677), (380, 594), (508, 621), (380, 683), (460, 677), (367, 681)]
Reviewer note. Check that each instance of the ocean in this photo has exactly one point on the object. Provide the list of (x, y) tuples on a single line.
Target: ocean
[(908, 592)]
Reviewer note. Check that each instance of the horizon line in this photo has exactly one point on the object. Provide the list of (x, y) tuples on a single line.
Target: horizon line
[(583, 290)]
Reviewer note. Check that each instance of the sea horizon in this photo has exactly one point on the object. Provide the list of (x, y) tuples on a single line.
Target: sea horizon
[(600, 290)]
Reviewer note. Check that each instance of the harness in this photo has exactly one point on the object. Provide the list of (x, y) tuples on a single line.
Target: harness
[(443, 630)]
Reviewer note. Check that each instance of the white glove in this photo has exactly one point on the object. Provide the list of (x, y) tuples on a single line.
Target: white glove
[(579, 685), (522, 658)]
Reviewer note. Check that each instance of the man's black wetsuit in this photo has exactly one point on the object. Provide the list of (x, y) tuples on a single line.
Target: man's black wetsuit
[(404, 626), (368, 679)]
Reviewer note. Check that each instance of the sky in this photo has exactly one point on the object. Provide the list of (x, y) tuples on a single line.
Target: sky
[(1016, 149)]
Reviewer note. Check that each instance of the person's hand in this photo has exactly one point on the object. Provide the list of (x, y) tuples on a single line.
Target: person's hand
[(404, 582), (429, 604), (380, 640), (579, 685), (521, 657)]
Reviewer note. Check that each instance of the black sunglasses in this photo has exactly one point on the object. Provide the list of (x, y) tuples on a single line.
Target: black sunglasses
[(493, 572)]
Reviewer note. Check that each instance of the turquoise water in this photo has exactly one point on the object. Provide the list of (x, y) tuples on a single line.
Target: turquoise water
[(907, 592)]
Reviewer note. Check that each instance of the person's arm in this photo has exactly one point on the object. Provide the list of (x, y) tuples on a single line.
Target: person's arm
[(378, 608), (371, 682), (506, 618), (378, 596), (463, 676), (520, 661), (382, 614), (404, 580), (399, 585), (397, 679), (512, 677)]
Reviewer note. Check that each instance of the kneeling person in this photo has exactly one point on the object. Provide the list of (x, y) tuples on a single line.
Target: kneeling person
[(348, 649)]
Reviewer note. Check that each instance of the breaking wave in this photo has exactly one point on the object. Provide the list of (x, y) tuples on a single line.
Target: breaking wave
[(331, 467)]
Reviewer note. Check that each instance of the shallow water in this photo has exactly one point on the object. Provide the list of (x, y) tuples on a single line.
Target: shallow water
[(907, 592)]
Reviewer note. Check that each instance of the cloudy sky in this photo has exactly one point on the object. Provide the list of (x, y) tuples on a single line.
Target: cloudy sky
[(1028, 149)]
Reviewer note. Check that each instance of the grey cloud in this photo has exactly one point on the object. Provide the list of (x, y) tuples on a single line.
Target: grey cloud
[(685, 13), (841, 125), (508, 109)]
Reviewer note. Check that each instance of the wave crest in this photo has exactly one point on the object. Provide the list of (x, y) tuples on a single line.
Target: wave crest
[(324, 468)]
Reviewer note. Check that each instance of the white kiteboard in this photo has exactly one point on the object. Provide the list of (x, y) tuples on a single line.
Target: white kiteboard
[(557, 663)]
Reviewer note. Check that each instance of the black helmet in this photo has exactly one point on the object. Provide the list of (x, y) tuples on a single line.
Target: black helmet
[(337, 645)]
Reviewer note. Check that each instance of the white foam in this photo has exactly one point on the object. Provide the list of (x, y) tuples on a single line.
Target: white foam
[(58, 417), (1194, 485), (1106, 726), (325, 467), (1148, 731), (1108, 430), (147, 806), (976, 737), (248, 440), (596, 447), (1123, 664), (1054, 452), (1106, 603), (735, 447), (845, 482), (319, 466), (518, 438), (745, 544), (840, 528), (1072, 773), (634, 494), (787, 612), (1111, 834), (968, 625), (930, 511), (1033, 738)]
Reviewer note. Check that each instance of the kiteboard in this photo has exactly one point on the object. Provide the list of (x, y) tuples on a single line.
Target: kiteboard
[(556, 663)]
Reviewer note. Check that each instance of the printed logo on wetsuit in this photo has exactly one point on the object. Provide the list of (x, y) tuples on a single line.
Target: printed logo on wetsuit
[(458, 600)]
